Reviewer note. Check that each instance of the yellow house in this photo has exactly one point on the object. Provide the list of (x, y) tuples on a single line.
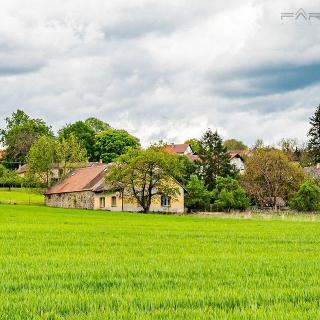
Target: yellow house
[(85, 188)]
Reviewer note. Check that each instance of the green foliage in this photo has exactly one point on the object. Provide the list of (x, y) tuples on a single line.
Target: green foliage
[(197, 196), (3, 170), (229, 195), (144, 174), (20, 133), (314, 136), (214, 159), (233, 144), (187, 169), (112, 143), (269, 176), (41, 158), (70, 153), (194, 144), (84, 133), (10, 178), (307, 198), (97, 125)]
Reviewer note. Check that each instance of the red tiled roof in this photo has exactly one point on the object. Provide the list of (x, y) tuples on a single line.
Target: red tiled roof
[(177, 148), (83, 179)]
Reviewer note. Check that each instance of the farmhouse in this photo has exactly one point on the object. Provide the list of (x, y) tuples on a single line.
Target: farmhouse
[(85, 188), (237, 161)]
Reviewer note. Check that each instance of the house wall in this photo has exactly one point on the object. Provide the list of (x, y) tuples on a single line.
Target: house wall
[(81, 200), (238, 163), (177, 203)]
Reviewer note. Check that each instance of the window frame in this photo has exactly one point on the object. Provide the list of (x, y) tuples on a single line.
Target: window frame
[(165, 201), (102, 202), (113, 201)]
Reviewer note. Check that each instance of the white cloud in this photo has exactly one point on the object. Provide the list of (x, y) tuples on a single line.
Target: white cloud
[(162, 70)]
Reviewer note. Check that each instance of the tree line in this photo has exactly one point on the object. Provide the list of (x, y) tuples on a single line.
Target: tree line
[(273, 174)]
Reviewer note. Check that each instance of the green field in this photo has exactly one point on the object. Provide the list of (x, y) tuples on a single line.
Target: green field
[(21, 196), (73, 264)]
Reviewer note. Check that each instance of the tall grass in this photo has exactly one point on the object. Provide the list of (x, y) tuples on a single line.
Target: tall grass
[(73, 264)]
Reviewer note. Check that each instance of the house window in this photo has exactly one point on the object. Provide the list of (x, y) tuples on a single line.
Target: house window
[(113, 201), (102, 202), (165, 201)]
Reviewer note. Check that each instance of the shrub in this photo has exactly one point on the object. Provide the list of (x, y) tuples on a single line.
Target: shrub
[(229, 195), (307, 198), (197, 197)]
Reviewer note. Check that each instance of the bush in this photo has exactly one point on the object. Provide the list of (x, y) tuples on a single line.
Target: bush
[(307, 198), (229, 195), (197, 197)]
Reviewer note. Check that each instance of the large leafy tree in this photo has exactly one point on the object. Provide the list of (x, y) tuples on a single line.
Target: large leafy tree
[(96, 124), (214, 159), (84, 133), (41, 158), (20, 133), (112, 143), (144, 174), (70, 154), (233, 144), (314, 136), (270, 175)]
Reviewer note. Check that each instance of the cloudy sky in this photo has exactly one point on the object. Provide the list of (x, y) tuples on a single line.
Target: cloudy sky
[(164, 69)]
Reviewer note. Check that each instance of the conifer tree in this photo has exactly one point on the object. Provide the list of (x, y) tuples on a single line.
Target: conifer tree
[(314, 137), (214, 159)]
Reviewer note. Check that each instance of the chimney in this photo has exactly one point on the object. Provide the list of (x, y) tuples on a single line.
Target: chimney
[(100, 161)]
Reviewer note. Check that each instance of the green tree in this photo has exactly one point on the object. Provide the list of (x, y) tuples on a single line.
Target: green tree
[(97, 125), (84, 133), (10, 178), (144, 174), (194, 144), (188, 169), (20, 133), (70, 154), (197, 196), (307, 198), (270, 175), (229, 195), (214, 159), (112, 143), (233, 144), (314, 137), (40, 159)]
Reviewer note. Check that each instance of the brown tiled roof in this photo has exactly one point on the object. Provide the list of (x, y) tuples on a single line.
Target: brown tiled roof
[(83, 179), (242, 153), (177, 148)]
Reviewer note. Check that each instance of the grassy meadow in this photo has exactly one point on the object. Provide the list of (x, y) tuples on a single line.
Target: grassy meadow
[(74, 264), (21, 196)]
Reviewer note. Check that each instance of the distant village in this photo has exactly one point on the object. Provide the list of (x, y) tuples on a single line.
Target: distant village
[(91, 165)]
